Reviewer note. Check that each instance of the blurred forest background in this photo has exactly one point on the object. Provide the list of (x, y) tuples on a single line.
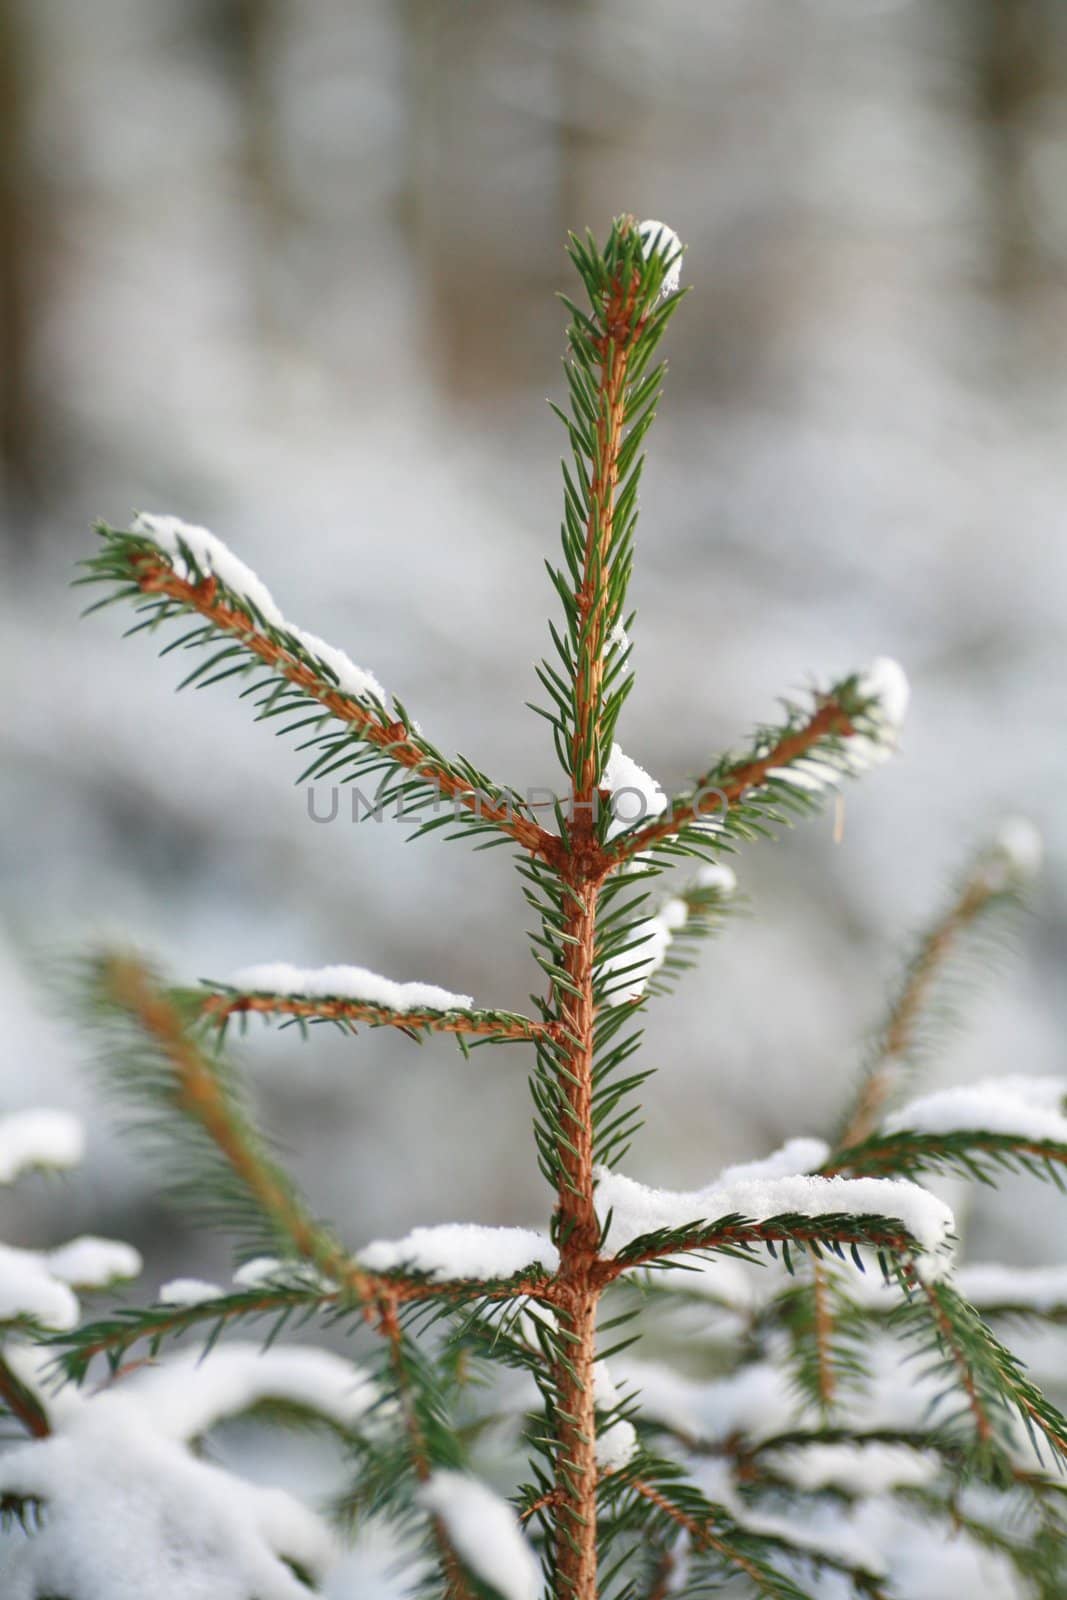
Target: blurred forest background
[(289, 271)]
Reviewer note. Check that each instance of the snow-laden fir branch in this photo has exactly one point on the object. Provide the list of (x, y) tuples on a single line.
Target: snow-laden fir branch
[(485, 1533), (1014, 1123), (842, 732), (172, 570), (350, 996), (643, 1224)]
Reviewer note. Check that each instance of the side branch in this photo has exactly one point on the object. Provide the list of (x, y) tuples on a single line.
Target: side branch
[(113, 1336), (154, 575), (219, 1007), (716, 790), (902, 1025), (734, 1234)]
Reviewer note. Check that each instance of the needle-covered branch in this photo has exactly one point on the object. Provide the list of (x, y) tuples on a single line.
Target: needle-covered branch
[(219, 1004), (724, 1546), (789, 769), (995, 1391), (735, 1235), (173, 571), (971, 1152)]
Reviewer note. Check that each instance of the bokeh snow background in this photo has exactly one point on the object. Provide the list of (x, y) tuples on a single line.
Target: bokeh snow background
[(288, 272)]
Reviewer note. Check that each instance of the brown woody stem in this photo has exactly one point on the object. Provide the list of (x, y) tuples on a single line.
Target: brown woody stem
[(23, 1404), (583, 868)]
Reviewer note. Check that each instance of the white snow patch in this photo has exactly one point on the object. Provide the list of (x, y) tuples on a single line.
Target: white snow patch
[(659, 238), (270, 1272), (637, 1209), (635, 795), (646, 951), (485, 1533), (1041, 1289), (347, 983), (1014, 856), (28, 1289), (795, 1156), (757, 1400), (859, 1469), (717, 875), (214, 557), (35, 1138), (616, 1445), (132, 1513), (91, 1263), (886, 681), (353, 680), (189, 1292), (189, 1393), (463, 1250), (1030, 1107)]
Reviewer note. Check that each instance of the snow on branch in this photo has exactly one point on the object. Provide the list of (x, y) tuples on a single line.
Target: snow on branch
[(655, 945), (36, 1286), (484, 1532), (39, 1139), (454, 1251), (842, 732), (644, 1223), (996, 1290), (188, 1394), (108, 1471), (1012, 1123), (348, 983), (173, 569), (349, 996), (1027, 1107)]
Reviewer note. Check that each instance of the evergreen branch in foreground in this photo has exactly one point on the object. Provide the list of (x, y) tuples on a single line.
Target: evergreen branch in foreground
[(971, 1152), (310, 685), (116, 1334), (737, 1235), (789, 769), (220, 1003)]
